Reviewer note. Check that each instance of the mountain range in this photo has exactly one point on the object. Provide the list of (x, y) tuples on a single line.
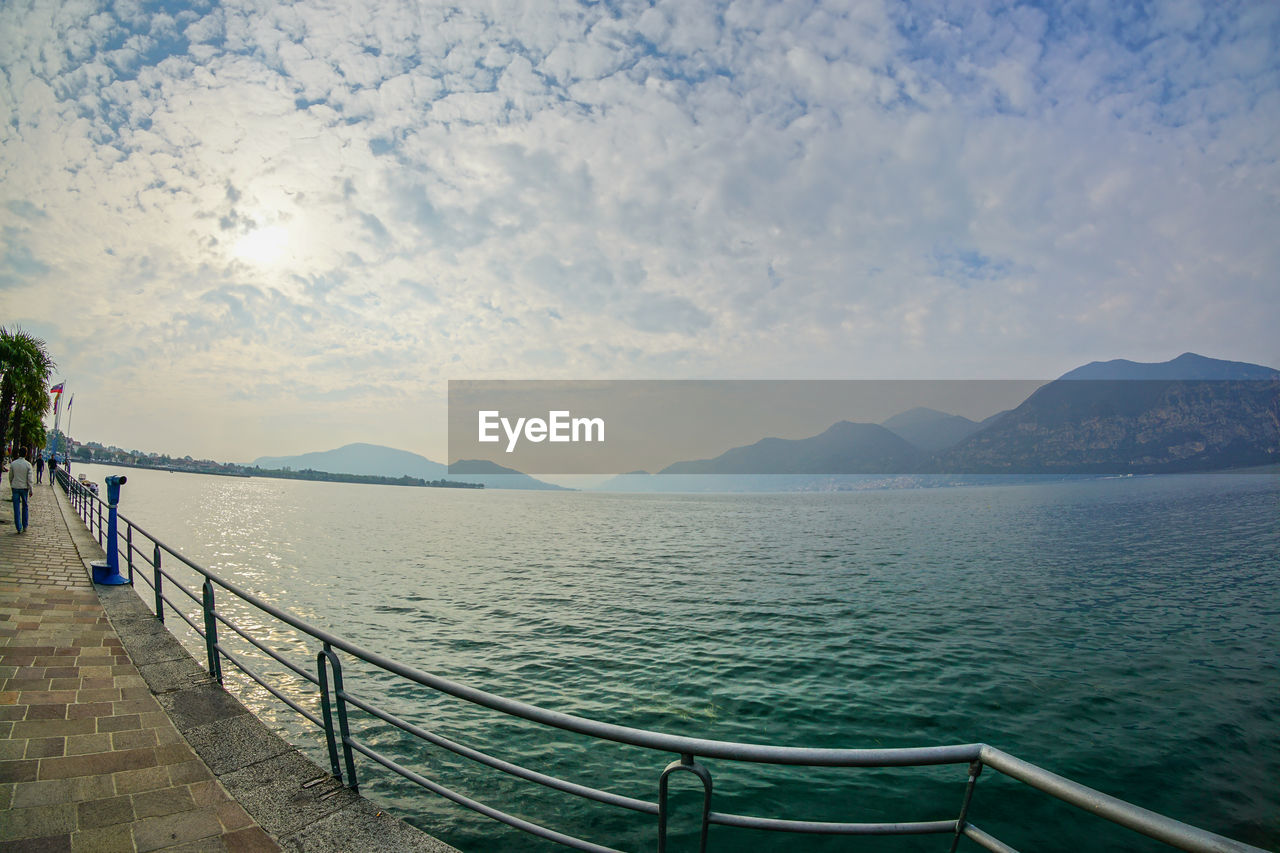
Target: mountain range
[(1191, 413), (390, 462)]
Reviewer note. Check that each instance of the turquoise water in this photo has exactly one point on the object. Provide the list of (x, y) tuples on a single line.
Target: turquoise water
[(1124, 633)]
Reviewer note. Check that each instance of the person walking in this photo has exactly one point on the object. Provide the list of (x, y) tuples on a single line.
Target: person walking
[(20, 483), (39, 467)]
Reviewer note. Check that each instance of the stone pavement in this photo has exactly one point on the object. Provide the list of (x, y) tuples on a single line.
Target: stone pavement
[(88, 758), (113, 738)]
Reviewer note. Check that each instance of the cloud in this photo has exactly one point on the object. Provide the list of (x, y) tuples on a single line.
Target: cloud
[(18, 265), (384, 194)]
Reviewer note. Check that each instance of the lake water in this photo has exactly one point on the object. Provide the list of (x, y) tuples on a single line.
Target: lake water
[(1124, 633)]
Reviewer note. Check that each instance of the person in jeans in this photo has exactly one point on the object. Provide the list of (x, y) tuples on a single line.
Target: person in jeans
[(39, 467), (20, 481)]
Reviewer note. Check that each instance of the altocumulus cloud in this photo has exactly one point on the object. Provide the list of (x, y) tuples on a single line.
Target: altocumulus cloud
[(337, 205)]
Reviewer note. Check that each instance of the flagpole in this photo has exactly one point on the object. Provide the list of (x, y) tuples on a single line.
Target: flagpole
[(57, 417), (71, 399)]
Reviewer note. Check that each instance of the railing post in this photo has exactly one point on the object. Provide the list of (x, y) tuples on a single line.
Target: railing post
[(324, 659), (211, 633), (99, 508), (975, 769), (128, 545), (158, 584), (688, 764), (343, 728)]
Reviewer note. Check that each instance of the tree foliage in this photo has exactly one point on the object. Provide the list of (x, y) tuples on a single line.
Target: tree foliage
[(25, 368)]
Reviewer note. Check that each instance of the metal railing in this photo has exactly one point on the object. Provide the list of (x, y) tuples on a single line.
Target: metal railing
[(334, 702)]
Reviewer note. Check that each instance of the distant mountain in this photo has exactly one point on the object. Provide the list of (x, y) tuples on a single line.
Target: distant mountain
[(1187, 366), (930, 429), (361, 459), (495, 476), (844, 448), (389, 462), (1188, 414)]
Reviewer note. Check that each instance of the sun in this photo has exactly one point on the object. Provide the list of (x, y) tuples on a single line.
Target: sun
[(262, 246)]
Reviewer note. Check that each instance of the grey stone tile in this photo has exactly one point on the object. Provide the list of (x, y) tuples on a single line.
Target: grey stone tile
[(235, 742), (199, 705), (378, 832), (273, 792)]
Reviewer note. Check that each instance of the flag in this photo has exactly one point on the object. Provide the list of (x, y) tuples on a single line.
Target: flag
[(57, 389), (70, 400)]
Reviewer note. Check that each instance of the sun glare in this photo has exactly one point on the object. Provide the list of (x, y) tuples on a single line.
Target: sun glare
[(262, 246)]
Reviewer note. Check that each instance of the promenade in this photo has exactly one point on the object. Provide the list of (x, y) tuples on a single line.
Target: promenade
[(96, 748)]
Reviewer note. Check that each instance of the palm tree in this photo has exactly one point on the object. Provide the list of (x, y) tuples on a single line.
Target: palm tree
[(28, 427), (25, 368)]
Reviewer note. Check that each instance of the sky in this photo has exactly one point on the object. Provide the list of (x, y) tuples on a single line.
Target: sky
[(257, 228)]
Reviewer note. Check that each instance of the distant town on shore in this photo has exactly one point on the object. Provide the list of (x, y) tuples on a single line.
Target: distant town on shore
[(92, 451)]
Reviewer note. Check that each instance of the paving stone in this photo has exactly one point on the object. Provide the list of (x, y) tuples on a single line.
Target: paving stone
[(18, 771), (37, 711), (273, 790), (235, 742), (119, 723), (135, 739), (52, 728), (52, 844), (154, 644), (40, 821), (146, 779), (199, 705), (147, 705), (86, 744), (188, 772), (170, 675), (89, 709), (216, 844), (99, 813), (360, 818), (46, 747), (163, 801), (249, 840), (107, 839), (233, 816), (97, 764), (167, 830), (26, 794)]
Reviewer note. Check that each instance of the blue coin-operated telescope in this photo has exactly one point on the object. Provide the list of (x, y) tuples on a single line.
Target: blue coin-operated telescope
[(108, 572)]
